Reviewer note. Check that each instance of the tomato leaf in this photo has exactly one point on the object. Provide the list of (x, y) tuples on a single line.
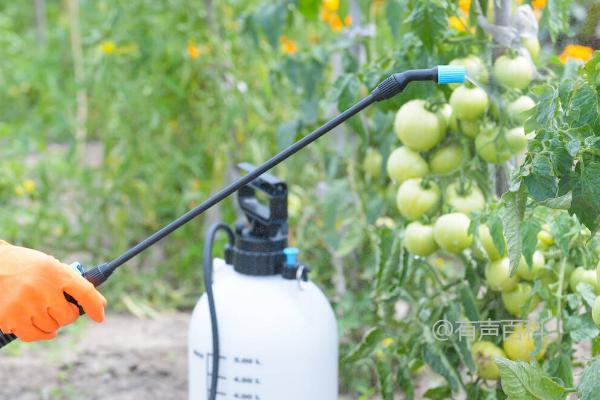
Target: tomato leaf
[(558, 203), (428, 20), (522, 381), (468, 302), (512, 214), (545, 110), (366, 346), (384, 376), (437, 360), (405, 381), (529, 231), (589, 385), (557, 17), (460, 345), (586, 194), (562, 368), (541, 182), (309, 8), (583, 108), (497, 232), (587, 293), (438, 393), (581, 327), (394, 11)]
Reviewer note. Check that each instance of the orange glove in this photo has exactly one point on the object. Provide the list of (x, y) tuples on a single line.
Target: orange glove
[(32, 294)]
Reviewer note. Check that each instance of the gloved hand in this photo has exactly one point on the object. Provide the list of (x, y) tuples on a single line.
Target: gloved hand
[(32, 288)]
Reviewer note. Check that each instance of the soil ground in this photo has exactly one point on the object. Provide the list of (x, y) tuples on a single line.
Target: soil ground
[(124, 358)]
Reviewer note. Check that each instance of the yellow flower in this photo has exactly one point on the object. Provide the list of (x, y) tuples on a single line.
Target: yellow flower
[(576, 51), (387, 342), (348, 20), (331, 5), (464, 5), (108, 47), (460, 24), (29, 186), (288, 46), (336, 23), (193, 51), (19, 191), (538, 4)]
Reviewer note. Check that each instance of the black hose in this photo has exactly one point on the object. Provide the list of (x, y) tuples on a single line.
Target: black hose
[(208, 245)]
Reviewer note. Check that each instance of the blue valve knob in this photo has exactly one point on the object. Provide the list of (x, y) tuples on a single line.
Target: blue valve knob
[(291, 255), (77, 267), (451, 74)]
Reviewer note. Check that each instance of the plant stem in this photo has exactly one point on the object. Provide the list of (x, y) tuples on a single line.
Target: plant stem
[(559, 296), (78, 69)]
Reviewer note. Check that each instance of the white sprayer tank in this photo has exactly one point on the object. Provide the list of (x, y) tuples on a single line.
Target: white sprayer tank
[(278, 340)]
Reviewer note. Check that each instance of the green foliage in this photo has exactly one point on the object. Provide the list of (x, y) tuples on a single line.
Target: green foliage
[(176, 95), (522, 381)]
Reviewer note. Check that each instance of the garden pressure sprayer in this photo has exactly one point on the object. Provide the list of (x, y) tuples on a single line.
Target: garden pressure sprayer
[(289, 341)]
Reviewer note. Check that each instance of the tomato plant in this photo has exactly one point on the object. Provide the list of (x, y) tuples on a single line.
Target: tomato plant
[(465, 203)]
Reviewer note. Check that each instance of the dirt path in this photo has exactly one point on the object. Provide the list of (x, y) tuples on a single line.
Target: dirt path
[(123, 359)]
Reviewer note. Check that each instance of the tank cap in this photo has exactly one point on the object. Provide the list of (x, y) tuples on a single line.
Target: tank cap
[(451, 74), (291, 255)]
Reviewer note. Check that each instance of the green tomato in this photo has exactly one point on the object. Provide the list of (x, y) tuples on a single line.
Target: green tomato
[(596, 311), (469, 103), (545, 238), (517, 108), (372, 163), (516, 139), (446, 159), (451, 232), (488, 243), (520, 344), (484, 354), (598, 274), (582, 275), (474, 67), (414, 200), (513, 73), (491, 145), (403, 164), (527, 273), (418, 239), (515, 299), (470, 201), (470, 128), (532, 44), (446, 112), (497, 274), (418, 128)]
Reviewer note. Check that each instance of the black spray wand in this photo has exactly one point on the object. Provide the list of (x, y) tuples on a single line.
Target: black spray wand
[(390, 87)]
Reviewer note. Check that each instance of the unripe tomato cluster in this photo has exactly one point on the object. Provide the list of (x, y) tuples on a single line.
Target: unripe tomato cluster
[(438, 194), (438, 140)]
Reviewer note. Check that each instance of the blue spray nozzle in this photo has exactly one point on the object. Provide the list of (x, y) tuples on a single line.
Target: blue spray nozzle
[(451, 74), (291, 255)]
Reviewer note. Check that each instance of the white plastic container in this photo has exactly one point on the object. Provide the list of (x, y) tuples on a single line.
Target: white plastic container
[(278, 341)]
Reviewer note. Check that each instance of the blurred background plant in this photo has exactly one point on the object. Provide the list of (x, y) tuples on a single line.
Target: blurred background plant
[(115, 117)]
